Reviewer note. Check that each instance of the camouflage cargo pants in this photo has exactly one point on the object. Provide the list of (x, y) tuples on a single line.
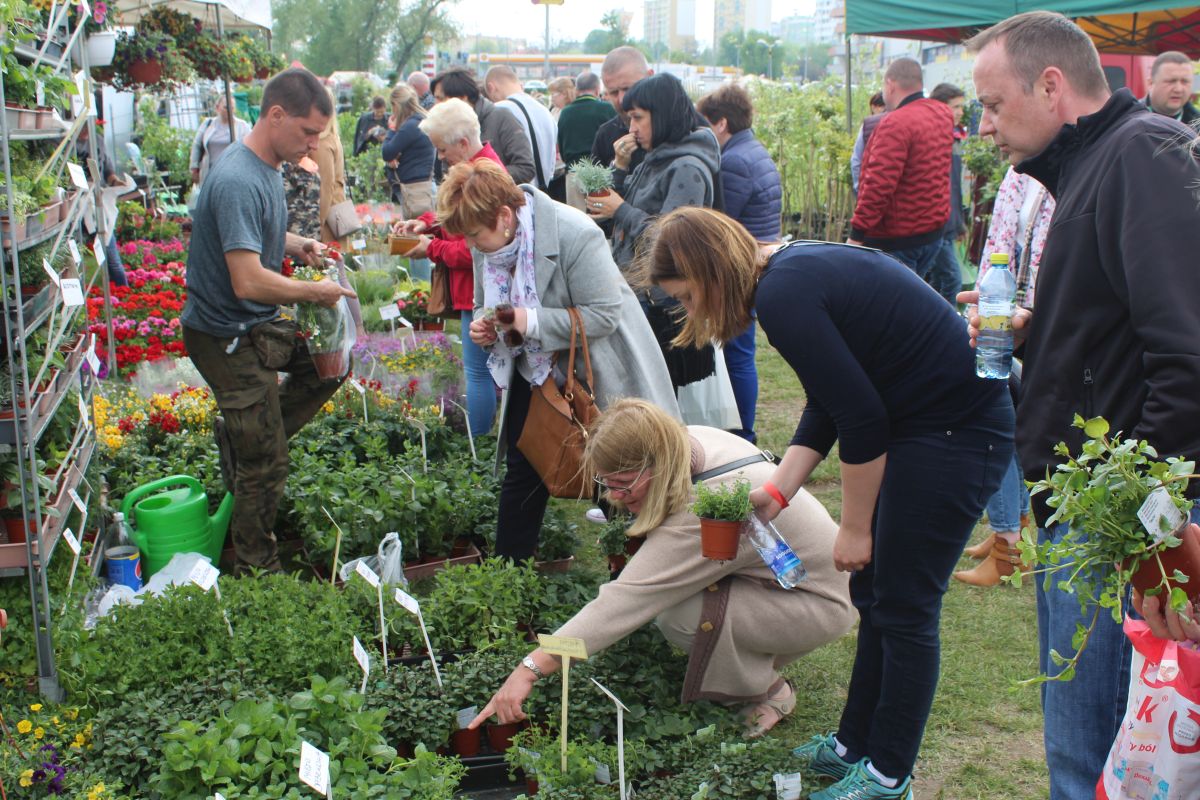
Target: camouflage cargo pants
[(261, 414)]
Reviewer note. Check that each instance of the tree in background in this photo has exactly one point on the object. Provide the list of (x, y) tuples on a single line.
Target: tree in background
[(613, 34)]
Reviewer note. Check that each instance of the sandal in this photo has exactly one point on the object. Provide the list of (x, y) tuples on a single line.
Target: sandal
[(761, 717)]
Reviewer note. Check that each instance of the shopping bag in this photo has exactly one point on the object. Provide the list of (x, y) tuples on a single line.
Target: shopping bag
[(1156, 755), (710, 401)]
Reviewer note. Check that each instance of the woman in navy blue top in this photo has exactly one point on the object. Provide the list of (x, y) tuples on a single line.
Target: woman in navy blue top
[(409, 154), (890, 376)]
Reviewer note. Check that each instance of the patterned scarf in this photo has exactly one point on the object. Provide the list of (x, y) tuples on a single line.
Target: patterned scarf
[(508, 277)]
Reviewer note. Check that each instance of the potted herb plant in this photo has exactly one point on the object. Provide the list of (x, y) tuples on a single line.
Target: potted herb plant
[(557, 542), (594, 179), (617, 544), (722, 510), (1098, 494)]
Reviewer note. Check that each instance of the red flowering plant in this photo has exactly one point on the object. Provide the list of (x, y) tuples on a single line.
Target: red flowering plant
[(145, 313), (414, 303)]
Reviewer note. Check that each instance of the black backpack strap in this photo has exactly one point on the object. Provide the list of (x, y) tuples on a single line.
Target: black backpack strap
[(537, 160), (762, 455)]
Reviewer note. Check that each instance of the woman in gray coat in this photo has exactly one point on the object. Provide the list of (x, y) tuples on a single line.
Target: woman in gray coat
[(543, 257)]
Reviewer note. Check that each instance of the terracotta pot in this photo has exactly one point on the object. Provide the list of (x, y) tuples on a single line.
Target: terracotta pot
[(719, 538), (431, 325), (29, 119), (330, 366), (616, 564), (13, 229), (500, 736), (146, 72), (262, 73), (600, 193), (1185, 558), (17, 528), (633, 544), (531, 785), (466, 742)]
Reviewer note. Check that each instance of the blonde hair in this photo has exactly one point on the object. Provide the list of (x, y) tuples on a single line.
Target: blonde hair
[(405, 103), (634, 435), (473, 194), (450, 121), (331, 127), (564, 85), (717, 256)]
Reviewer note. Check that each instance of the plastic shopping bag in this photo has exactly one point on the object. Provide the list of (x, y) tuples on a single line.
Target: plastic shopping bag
[(388, 563), (710, 401), (1157, 752)]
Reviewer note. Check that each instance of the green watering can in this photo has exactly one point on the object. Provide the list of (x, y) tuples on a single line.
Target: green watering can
[(166, 521)]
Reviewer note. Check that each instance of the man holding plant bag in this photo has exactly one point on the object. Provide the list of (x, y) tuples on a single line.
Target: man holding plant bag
[(231, 324)]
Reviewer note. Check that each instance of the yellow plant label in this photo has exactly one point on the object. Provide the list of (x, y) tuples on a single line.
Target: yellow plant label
[(566, 646)]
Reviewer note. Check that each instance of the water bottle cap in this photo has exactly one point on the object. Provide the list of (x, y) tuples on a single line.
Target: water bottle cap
[(998, 258)]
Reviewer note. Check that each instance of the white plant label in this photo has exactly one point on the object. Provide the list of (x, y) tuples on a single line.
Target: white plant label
[(50, 271), (358, 387), (40, 93), (358, 244), (76, 256), (408, 601), (1158, 506), (83, 413), (93, 361), (787, 787), (218, 796), (390, 311), (603, 773), (464, 716), (72, 292), (621, 709), (367, 574), (73, 543), (98, 249), (403, 321), (204, 575), (77, 500), (78, 177), (364, 663), (314, 768)]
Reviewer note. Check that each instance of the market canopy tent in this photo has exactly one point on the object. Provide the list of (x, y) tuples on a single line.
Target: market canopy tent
[(1138, 27), (232, 14)]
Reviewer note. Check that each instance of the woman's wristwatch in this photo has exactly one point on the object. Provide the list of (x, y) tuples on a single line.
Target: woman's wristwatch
[(528, 663)]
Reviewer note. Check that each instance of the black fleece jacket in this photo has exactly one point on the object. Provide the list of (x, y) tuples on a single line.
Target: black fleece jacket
[(1116, 332)]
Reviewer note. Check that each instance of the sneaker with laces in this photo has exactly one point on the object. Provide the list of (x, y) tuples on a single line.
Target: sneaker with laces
[(859, 784), (819, 755)]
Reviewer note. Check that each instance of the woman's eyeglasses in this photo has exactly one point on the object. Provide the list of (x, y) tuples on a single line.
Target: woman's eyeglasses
[(621, 487)]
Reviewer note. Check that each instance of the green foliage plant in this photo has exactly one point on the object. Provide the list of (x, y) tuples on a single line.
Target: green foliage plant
[(559, 536), (1097, 494), (592, 176), (613, 536), (417, 711), (725, 501)]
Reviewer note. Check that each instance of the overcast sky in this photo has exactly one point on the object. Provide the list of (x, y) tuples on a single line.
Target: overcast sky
[(575, 18)]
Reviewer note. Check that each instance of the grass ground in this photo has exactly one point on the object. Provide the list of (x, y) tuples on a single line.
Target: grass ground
[(984, 738)]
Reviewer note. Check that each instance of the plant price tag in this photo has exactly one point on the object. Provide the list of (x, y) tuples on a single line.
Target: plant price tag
[(621, 709), (364, 663), (390, 311), (72, 292), (73, 543), (218, 796), (464, 716), (787, 787), (204, 575), (567, 646), (1159, 515), (357, 386), (404, 321), (76, 256), (358, 244), (93, 361), (314, 768), (367, 574), (78, 177), (408, 601), (83, 413), (98, 250), (77, 500), (50, 271)]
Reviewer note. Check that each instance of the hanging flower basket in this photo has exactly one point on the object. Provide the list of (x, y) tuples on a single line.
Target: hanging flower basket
[(146, 73), (100, 47)]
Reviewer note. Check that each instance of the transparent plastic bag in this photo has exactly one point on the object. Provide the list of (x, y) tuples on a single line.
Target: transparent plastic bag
[(330, 335), (387, 563)]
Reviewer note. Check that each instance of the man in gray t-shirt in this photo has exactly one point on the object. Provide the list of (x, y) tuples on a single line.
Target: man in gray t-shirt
[(231, 323)]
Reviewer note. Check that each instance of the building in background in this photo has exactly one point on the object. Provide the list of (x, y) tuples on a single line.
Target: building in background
[(830, 22), (743, 15), (796, 29), (671, 23)]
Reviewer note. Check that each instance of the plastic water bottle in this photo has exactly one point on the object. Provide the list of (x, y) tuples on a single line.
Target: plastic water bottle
[(775, 551), (122, 531), (994, 346)]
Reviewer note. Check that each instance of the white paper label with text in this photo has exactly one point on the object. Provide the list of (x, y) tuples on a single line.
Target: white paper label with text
[(1159, 514), (204, 575), (314, 767), (73, 543)]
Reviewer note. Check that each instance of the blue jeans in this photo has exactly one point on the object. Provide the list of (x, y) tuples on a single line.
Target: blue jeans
[(919, 259), (743, 374), (1082, 715), (1009, 502), (481, 389), (945, 274), (934, 487), (112, 263)]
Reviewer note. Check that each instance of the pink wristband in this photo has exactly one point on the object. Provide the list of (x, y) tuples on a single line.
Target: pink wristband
[(776, 495)]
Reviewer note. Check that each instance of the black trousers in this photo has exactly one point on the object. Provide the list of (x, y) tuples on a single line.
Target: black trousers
[(523, 496)]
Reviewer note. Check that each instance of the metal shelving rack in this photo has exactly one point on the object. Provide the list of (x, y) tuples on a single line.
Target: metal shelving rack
[(46, 517)]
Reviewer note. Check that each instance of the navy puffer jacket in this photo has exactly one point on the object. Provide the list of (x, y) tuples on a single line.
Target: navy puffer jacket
[(753, 195)]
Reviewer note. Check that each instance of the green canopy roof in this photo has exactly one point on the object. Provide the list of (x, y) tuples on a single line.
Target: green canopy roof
[(1117, 26)]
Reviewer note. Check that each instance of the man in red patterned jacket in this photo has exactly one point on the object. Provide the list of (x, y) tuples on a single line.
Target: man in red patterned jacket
[(903, 194)]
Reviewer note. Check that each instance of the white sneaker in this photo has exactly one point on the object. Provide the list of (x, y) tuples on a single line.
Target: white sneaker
[(596, 515)]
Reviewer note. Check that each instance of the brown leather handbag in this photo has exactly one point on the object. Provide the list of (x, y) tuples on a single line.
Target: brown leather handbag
[(556, 428), (440, 304)]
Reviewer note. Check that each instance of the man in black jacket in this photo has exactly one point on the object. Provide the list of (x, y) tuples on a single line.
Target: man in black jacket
[(1115, 333)]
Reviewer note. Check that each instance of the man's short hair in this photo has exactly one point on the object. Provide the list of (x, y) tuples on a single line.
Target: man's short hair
[(728, 102), (1169, 57), (1036, 40), (905, 72), (378, 102), (297, 91), (620, 57), (588, 82), (945, 92), (459, 83), (501, 72)]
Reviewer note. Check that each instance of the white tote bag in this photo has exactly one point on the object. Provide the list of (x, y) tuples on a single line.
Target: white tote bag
[(710, 401)]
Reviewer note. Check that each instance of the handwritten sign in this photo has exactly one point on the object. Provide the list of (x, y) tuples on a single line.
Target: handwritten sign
[(72, 292), (566, 646), (204, 575), (314, 768)]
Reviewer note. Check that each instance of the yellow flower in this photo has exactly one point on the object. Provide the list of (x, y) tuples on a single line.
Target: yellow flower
[(97, 792), (35, 707), (39, 732), (27, 778), (24, 726), (73, 713)]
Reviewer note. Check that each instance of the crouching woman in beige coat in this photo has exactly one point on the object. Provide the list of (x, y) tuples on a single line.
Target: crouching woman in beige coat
[(738, 626)]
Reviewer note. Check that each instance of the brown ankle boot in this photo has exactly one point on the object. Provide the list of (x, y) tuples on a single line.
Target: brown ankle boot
[(1003, 561), (981, 550)]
